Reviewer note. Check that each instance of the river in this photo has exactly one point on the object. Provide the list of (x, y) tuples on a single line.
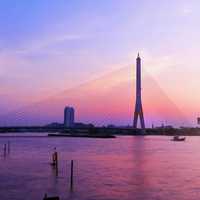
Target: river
[(123, 168)]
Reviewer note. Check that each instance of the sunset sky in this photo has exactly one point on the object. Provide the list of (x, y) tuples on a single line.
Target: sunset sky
[(49, 47)]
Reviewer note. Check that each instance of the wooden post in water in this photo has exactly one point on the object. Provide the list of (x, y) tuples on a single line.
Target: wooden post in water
[(50, 198), (72, 175), (55, 161), (56, 170), (45, 196), (4, 148), (8, 146), (55, 158)]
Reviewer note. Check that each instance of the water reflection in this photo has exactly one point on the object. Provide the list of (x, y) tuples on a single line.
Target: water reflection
[(139, 175)]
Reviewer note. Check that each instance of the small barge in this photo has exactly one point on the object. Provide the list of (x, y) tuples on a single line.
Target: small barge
[(81, 135)]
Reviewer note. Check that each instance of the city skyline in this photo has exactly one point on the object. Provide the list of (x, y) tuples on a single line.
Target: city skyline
[(117, 110), (45, 55)]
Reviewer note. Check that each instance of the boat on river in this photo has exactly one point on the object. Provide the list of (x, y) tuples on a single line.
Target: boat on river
[(178, 139)]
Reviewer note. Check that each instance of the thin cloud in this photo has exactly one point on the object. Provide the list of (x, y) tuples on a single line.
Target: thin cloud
[(186, 10), (45, 43)]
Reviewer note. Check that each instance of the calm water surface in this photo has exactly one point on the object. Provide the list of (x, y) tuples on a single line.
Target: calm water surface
[(125, 168)]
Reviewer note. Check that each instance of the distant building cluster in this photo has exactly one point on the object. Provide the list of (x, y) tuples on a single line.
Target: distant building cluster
[(69, 117), (69, 120)]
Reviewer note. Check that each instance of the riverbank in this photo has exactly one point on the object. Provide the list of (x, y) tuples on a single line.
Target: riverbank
[(101, 131)]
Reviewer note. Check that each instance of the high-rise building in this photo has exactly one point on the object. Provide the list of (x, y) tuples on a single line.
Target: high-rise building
[(138, 104), (198, 120), (69, 116)]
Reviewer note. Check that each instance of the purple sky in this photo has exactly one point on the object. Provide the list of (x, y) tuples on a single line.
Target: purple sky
[(47, 47)]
